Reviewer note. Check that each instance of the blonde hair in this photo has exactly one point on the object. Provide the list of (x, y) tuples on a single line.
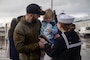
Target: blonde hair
[(48, 14)]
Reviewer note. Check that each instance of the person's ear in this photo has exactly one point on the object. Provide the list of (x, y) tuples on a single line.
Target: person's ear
[(30, 15)]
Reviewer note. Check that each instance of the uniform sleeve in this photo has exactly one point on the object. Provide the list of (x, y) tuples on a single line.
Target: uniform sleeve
[(56, 49), (21, 47)]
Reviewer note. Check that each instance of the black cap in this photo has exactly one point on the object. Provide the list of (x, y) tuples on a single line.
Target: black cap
[(34, 9)]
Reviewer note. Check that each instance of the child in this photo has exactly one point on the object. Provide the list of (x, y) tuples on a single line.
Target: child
[(49, 27)]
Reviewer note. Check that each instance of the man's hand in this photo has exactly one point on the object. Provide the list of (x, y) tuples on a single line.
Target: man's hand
[(41, 42)]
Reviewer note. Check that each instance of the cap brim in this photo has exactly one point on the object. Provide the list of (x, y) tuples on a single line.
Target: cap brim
[(42, 13)]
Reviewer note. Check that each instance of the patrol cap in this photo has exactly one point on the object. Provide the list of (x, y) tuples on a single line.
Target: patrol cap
[(63, 18)]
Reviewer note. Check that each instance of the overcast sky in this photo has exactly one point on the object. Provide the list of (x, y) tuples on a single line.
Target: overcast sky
[(14, 8)]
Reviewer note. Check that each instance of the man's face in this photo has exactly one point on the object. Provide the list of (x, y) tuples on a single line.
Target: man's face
[(34, 18)]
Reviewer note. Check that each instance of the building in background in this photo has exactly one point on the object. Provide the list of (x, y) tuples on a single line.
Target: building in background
[(83, 27), (3, 35), (82, 23)]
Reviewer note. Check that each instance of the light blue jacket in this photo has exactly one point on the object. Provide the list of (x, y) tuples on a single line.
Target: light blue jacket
[(54, 28)]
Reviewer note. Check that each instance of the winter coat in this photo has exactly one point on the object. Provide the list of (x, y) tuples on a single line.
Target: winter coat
[(26, 40), (45, 27), (14, 55), (66, 47)]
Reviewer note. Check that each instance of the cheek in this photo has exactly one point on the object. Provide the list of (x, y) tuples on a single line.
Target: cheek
[(58, 26), (50, 19), (35, 17)]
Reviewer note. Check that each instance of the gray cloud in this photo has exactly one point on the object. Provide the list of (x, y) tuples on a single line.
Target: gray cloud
[(17, 7), (73, 6)]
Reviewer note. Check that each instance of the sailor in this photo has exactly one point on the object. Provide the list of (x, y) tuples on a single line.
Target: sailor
[(68, 45)]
